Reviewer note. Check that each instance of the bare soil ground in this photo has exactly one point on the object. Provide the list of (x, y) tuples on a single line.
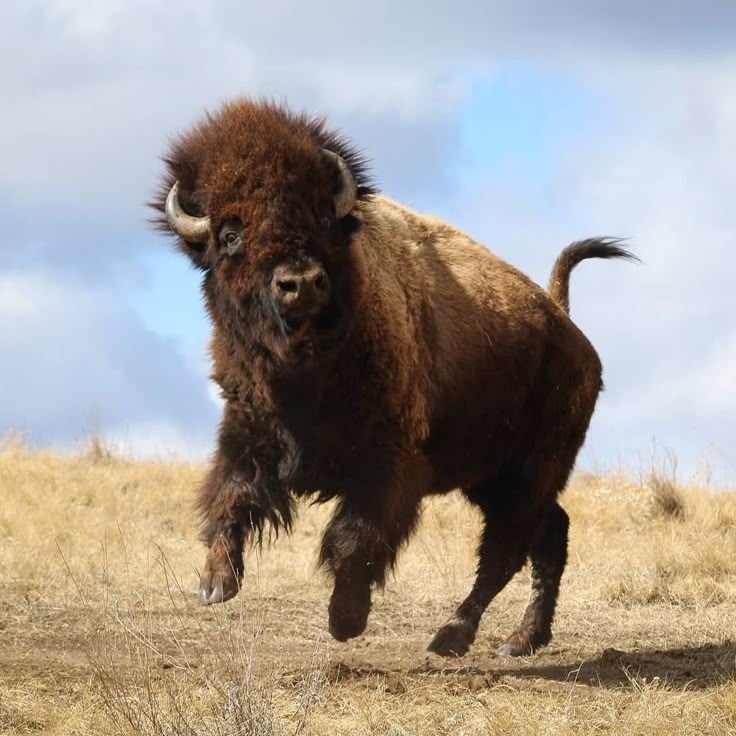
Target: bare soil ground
[(100, 631)]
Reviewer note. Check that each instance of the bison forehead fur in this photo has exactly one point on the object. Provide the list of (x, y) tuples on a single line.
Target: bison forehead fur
[(420, 364), (264, 165)]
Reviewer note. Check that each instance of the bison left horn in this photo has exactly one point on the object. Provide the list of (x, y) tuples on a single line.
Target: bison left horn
[(347, 196), (192, 229)]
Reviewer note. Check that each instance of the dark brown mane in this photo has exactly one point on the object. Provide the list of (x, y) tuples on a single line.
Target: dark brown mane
[(265, 123)]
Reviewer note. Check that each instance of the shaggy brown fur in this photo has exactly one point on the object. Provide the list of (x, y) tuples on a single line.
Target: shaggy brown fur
[(434, 366)]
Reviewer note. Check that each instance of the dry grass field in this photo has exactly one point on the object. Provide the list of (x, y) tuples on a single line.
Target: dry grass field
[(100, 632)]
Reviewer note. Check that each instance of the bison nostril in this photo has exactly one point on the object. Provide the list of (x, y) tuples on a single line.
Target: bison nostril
[(295, 288), (289, 286)]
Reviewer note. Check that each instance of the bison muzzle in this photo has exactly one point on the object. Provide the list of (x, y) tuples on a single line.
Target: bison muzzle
[(373, 355)]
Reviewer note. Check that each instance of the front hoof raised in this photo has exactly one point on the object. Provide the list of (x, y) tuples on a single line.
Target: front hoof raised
[(220, 580), (453, 639)]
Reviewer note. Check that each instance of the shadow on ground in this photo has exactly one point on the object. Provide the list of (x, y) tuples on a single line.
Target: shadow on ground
[(699, 667)]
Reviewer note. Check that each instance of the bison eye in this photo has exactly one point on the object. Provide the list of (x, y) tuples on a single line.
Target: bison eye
[(231, 237)]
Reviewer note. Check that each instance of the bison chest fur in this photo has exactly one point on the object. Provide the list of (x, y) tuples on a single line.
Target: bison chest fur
[(343, 438)]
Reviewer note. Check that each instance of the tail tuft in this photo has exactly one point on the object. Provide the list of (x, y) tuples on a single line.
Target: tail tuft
[(559, 281)]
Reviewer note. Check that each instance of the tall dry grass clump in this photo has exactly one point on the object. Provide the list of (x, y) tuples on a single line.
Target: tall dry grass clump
[(101, 632)]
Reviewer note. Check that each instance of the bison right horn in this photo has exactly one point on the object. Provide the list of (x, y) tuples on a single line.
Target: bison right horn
[(347, 196), (192, 229)]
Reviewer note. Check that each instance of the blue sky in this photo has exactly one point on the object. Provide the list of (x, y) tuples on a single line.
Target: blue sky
[(526, 127), (513, 122)]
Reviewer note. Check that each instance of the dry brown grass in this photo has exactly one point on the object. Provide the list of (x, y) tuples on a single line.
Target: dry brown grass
[(101, 633)]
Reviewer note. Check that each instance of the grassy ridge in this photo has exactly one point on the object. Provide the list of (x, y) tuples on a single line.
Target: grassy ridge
[(101, 632)]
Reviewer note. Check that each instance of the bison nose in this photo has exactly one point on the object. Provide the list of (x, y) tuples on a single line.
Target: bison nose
[(300, 289)]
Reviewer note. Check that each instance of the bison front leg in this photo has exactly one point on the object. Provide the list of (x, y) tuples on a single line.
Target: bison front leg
[(240, 496), (357, 549), (230, 515), (223, 569)]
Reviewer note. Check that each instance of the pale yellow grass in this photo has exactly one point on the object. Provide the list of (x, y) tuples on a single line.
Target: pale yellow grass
[(101, 633)]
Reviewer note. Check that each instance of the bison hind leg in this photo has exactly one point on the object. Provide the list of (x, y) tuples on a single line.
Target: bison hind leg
[(521, 519), (502, 551), (548, 554)]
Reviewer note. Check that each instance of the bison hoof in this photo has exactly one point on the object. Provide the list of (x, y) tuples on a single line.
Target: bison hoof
[(521, 644), (348, 615), (217, 588), (453, 639), (220, 580), (345, 628)]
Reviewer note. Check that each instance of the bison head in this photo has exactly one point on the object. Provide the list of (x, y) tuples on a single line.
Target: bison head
[(265, 202)]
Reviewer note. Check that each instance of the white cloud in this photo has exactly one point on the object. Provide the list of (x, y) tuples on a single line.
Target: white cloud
[(153, 440), (701, 387), (75, 360), (84, 21)]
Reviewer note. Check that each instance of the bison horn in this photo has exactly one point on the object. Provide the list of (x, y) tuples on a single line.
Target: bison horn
[(192, 229), (345, 199)]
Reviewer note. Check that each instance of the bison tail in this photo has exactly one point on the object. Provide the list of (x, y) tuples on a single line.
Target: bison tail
[(559, 281)]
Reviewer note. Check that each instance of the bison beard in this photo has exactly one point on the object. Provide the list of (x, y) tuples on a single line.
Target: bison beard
[(374, 355)]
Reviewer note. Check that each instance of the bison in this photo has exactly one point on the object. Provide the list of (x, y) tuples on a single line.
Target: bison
[(373, 355)]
